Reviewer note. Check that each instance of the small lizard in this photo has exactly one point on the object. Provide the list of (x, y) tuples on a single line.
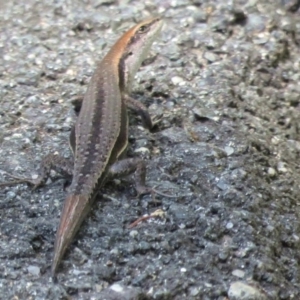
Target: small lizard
[(100, 135)]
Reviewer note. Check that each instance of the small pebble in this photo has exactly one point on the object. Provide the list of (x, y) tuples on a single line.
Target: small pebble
[(241, 291), (34, 270), (238, 273)]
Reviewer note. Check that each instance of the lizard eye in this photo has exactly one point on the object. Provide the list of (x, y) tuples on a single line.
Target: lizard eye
[(143, 29)]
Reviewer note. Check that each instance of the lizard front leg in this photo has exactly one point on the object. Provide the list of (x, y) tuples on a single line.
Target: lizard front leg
[(141, 109), (131, 103)]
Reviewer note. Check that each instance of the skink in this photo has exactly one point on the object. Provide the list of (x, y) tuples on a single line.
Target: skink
[(100, 134)]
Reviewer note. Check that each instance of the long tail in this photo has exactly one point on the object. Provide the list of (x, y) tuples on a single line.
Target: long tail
[(75, 209)]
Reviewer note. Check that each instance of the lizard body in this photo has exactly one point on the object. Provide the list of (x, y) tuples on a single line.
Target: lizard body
[(101, 132)]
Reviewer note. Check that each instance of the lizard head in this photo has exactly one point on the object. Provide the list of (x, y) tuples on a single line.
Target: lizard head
[(139, 40)]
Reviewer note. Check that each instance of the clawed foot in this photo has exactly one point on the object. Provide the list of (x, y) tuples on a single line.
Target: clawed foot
[(35, 182), (144, 190), (155, 121)]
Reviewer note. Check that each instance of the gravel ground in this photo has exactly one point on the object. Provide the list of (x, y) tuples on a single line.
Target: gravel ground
[(225, 77)]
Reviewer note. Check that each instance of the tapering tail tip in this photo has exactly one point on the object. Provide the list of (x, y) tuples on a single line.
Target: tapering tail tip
[(74, 211), (55, 263), (53, 276), (60, 246)]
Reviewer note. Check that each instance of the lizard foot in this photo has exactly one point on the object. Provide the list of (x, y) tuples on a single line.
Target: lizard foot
[(19, 180)]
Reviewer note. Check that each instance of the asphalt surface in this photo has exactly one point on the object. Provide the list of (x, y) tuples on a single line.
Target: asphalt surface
[(224, 79)]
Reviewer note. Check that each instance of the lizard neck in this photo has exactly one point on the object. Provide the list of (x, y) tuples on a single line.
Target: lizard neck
[(128, 53)]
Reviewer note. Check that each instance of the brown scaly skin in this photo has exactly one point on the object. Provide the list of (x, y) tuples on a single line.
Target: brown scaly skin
[(101, 131)]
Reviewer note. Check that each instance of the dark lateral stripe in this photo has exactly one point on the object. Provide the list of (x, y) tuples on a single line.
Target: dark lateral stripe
[(121, 71), (98, 130)]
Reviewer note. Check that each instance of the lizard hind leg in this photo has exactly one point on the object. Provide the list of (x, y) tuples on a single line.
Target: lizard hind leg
[(135, 165), (128, 166), (48, 163)]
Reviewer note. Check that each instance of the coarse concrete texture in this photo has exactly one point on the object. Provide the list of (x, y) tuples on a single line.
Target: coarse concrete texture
[(224, 79)]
